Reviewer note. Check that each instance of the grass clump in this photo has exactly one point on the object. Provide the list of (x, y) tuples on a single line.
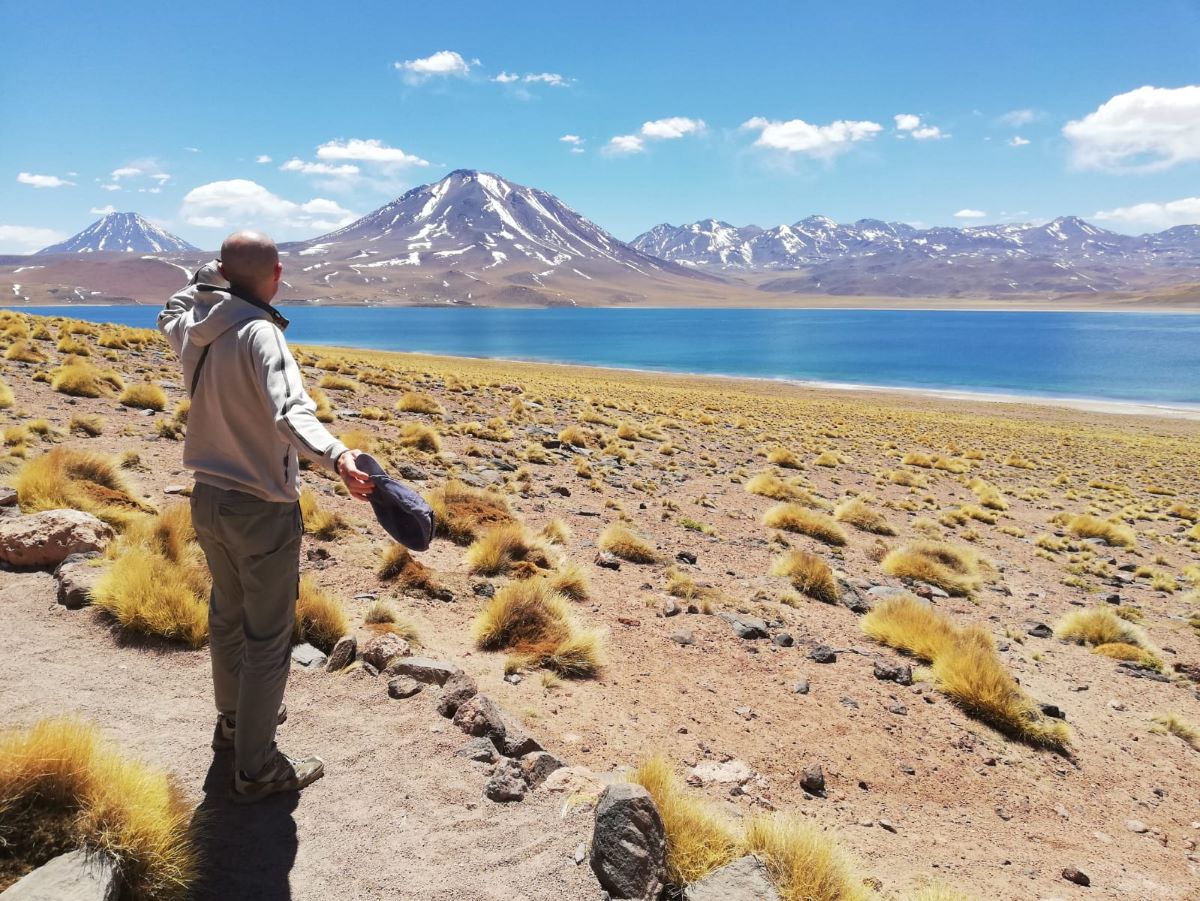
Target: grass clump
[(1099, 626), (809, 575), (461, 512), (502, 547), (398, 565), (791, 517), (421, 436), (805, 863), (144, 396), (619, 540), (79, 378), (320, 619), (784, 459), (956, 570), (331, 382), (413, 402), (855, 512), (6, 395), (318, 522), (65, 477), (1113, 533), (1176, 724), (24, 352), (534, 621), (62, 787), (767, 484)]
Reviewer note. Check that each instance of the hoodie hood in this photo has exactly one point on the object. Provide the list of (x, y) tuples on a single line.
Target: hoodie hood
[(217, 311)]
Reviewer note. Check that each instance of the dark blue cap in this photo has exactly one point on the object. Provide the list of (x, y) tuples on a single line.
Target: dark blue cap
[(403, 513)]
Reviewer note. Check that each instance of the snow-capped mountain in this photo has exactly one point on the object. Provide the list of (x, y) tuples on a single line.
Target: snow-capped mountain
[(477, 226), (894, 259), (121, 232)]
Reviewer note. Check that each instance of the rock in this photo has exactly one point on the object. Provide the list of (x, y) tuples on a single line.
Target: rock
[(851, 598), (412, 473), (403, 687), (481, 717), (783, 640), (822, 654), (1074, 874), (745, 879), (727, 773), (382, 649), (76, 876), (1136, 826), (686, 557), (308, 656), (1052, 711), (513, 679), (506, 782), (812, 780), (561, 490), (483, 589), (48, 538), (517, 742), (883, 592), (670, 608), (629, 845), (607, 560), (77, 576), (683, 637), (576, 781), (343, 653), (8, 497), (1039, 630), (479, 749), (887, 826), (185, 490), (749, 628), (537, 766), (423, 669), (893, 671), (801, 687), (458, 689)]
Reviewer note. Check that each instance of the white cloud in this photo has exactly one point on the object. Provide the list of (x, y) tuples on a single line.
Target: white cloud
[(1184, 211), (507, 77), (27, 238), (818, 141), (674, 127), (42, 181), (102, 210), (550, 78), (368, 151), (912, 125), (622, 144), (1145, 130), (299, 165), (111, 187), (125, 172), (571, 139), (1017, 141), (440, 64), (1018, 117), (161, 177), (970, 214), (240, 202), (192, 149), (262, 158)]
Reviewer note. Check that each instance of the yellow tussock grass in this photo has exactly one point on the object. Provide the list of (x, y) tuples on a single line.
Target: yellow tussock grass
[(65, 477), (421, 436), (1113, 533), (79, 378), (143, 396), (809, 575), (767, 484), (855, 512), (556, 532), (413, 402), (785, 459), (534, 621), (938, 892), (805, 863), (791, 517), (570, 580), (398, 565), (461, 512), (319, 522), (957, 570), (1177, 724), (324, 407), (500, 547), (359, 439), (24, 352), (320, 619), (332, 382), (1099, 626), (6, 395), (63, 787), (619, 540)]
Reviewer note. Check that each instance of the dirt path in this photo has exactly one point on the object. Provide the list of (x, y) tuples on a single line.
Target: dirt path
[(397, 815)]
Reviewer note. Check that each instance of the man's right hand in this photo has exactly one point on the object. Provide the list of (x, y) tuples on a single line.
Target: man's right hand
[(357, 482)]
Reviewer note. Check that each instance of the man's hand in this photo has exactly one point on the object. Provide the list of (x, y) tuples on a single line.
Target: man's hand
[(358, 483)]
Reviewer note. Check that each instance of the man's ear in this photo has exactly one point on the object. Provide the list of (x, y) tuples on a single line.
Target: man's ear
[(221, 269), (278, 271)]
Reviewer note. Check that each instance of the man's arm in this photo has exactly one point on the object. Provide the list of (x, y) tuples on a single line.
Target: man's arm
[(169, 317)]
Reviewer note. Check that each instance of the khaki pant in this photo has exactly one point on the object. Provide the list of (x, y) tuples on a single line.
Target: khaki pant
[(253, 552)]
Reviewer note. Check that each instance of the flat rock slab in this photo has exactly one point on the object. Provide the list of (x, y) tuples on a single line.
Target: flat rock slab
[(77, 576), (77, 876), (48, 538), (745, 879), (307, 656), (423, 669), (747, 627)]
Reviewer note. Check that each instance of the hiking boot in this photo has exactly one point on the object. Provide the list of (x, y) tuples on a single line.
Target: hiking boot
[(226, 728), (282, 774)]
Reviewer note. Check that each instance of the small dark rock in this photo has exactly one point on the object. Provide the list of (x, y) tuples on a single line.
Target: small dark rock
[(1053, 711), (893, 671), (686, 557), (812, 780), (749, 628), (506, 782), (1073, 874), (607, 560), (1040, 630), (483, 589), (822, 654), (478, 749), (343, 653), (403, 687), (783, 640)]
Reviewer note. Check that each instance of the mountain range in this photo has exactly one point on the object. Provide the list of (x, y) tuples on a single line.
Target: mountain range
[(475, 238)]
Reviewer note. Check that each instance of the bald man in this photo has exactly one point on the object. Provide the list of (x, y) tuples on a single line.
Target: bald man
[(249, 422)]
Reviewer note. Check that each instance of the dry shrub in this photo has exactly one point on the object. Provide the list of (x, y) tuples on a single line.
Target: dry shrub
[(461, 512), (1113, 533), (805, 863), (79, 378), (321, 523), (6, 395), (1099, 626), (332, 382), (324, 411), (421, 436), (65, 477), (957, 570), (320, 619), (413, 402), (143, 396), (855, 512), (69, 345), (359, 439), (916, 458), (62, 787), (619, 540), (791, 517), (398, 565), (502, 546), (767, 484), (556, 532), (988, 494), (534, 621), (570, 580), (785, 459), (828, 459), (809, 574), (24, 352), (1177, 724), (574, 436)]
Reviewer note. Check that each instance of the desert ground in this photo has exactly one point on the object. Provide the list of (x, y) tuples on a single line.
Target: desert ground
[(1026, 536)]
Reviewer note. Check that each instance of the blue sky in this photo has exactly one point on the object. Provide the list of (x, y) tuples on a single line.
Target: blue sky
[(936, 113)]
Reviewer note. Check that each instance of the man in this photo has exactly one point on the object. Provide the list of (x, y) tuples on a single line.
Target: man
[(250, 418)]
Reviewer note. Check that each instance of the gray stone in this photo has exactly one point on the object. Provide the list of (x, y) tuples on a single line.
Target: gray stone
[(48, 538), (506, 782), (423, 669), (893, 671), (308, 656), (1039, 630), (77, 576), (1076, 875), (812, 780), (783, 640), (746, 879), (480, 716), (883, 592), (607, 560), (343, 653), (683, 637), (822, 654), (801, 687), (537, 765), (384, 648), (670, 608), (479, 749), (517, 742), (403, 687), (458, 689), (76, 876), (749, 628), (629, 845), (8, 497)]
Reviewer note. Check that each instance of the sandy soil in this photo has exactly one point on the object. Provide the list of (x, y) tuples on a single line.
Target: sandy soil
[(988, 815)]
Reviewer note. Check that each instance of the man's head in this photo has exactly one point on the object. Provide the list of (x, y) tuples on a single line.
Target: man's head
[(250, 263)]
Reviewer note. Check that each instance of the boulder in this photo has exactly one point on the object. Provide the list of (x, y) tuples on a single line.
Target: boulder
[(747, 627), (458, 689), (77, 576), (423, 669), (745, 879), (76, 876), (506, 782), (731, 772), (478, 749), (384, 648), (480, 716), (47, 539), (517, 742), (812, 780), (343, 653), (307, 656), (575, 781), (629, 845), (403, 687), (8, 497), (536, 766)]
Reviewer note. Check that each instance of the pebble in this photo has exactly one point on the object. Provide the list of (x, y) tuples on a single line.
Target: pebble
[(1074, 874), (822, 654), (1136, 826), (801, 687)]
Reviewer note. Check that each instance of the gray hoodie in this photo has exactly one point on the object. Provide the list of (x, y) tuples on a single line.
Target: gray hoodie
[(250, 414)]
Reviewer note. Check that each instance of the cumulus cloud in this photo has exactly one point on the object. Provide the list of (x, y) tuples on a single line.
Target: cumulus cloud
[(1017, 141), (370, 150), (674, 127), (27, 238), (262, 158), (623, 144), (111, 187), (550, 78), (102, 210), (298, 165), (571, 139), (1157, 216), (1145, 130), (969, 213), (909, 125), (125, 172), (506, 77), (817, 141), (42, 181), (442, 64), (240, 202), (1018, 117)]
